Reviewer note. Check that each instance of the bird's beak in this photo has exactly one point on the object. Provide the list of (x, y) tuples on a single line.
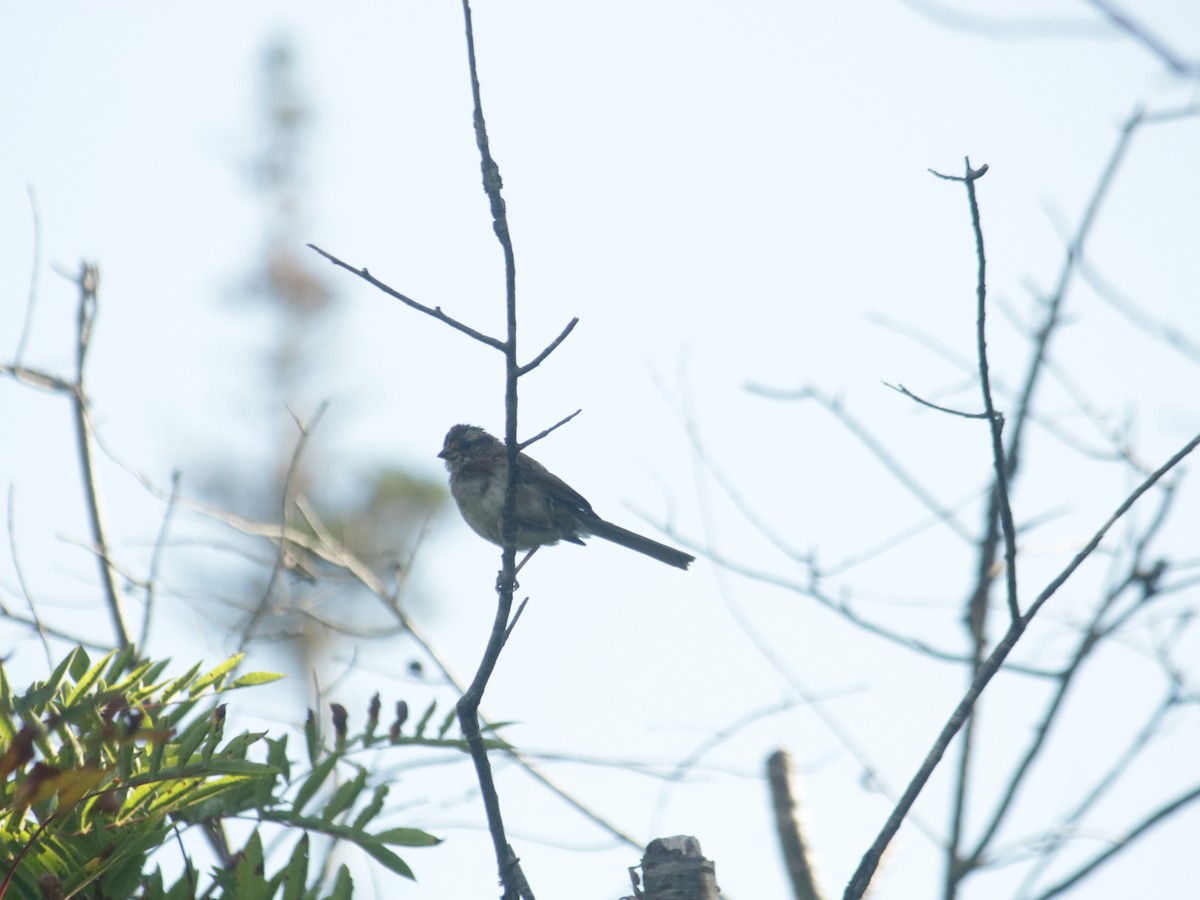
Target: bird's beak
[(442, 455)]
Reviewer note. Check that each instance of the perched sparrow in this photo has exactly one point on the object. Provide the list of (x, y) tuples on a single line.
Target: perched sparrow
[(548, 509)]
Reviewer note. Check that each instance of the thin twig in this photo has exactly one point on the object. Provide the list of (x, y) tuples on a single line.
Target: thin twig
[(435, 311), (995, 420), (901, 389), (1139, 32), (972, 367), (12, 550), (550, 348), (515, 617), (156, 557), (35, 269), (541, 434)]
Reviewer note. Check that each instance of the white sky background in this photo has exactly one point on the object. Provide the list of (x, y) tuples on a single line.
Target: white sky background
[(722, 194)]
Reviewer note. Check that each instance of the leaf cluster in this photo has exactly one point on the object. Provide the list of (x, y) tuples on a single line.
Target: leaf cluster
[(108, 767)]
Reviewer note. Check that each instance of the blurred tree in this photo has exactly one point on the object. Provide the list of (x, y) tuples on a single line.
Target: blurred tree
[(382, 521)]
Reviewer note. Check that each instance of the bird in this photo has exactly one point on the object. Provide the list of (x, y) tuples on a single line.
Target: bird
[(548, 510)]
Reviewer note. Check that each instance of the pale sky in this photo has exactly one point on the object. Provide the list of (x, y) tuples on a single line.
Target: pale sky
[(723, 194)]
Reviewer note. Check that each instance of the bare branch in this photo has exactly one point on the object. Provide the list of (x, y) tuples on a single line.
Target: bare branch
[(789, 830), (35, 269), (511, 876), (995, 420), (901, 389), (434, 311), (541, 434), (870, 861), (553, 345), (1156, 45)]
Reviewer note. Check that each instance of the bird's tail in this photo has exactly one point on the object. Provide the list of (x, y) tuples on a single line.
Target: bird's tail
[(626, 538)]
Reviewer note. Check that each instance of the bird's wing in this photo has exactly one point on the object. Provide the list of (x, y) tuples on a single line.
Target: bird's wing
[(533, 472)]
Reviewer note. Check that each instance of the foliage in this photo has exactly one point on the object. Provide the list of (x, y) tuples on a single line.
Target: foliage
[(105, 764)]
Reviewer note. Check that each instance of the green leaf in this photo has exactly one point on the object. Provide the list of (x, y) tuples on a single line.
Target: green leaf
[(236, 747), (407, 837), (215, 735), (39, 695), (249, 881), (295, 873), (343, 798), (84, 682), (122, 662), (313, 782), (446, 723), (246, 767), (210, 678), (155, 671), (369, 843), (80, 663), (425, 717), (264, 791), (372, 809), (277, 755), (389, 859), (134, 682), (251, 679), (152, 886), (179, 683), (184, 888), (312, 737), (343, 886)]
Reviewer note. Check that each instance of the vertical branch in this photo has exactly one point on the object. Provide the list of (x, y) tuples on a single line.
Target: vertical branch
[(997, 519), (792, 840), (511, 876), (999, 510), (89, 282), (1002, 508), (995, 419)]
